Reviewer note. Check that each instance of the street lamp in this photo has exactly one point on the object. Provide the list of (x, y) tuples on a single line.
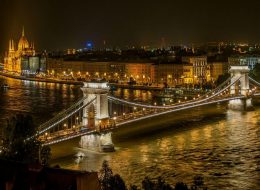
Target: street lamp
[(114, 118), (77, 120)]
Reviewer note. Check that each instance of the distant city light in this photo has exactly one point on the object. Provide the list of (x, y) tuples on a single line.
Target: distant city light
[(89, 45)]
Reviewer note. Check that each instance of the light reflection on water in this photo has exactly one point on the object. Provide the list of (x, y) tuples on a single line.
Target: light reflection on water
[(226, 151), (42, 100)]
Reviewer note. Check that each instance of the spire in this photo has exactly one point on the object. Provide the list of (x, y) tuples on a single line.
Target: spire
[(23, 32), (13, 45), (10, 45)]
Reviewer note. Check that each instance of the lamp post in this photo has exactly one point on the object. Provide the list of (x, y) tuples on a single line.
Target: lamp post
[(77, 120), (114, 118)]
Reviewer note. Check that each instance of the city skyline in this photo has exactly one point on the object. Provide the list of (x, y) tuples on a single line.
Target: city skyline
[(62, 25)]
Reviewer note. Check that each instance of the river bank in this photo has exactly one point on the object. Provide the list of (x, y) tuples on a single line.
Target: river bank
[(41, 79), (70, 82)]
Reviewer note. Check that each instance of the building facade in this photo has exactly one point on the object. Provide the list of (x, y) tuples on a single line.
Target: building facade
[(194, 70), (200, 68), (22, 59), (251, 61), (217, 69)]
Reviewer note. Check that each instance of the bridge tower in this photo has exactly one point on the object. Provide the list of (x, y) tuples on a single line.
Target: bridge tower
[(240, 88), (99, 119), (98, 90)]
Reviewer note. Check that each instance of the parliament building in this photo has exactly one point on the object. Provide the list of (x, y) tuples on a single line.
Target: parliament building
[(22, 59)]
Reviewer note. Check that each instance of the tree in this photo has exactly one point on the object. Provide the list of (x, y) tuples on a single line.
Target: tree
[(198, 183), (133, 187), (19, 142), (45, 155), (117, 183), (162, 185), (147, 184), (105, 176), (181, 186), (109, 181)]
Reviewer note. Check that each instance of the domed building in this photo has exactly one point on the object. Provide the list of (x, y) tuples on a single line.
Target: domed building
[(17, 59), (23, 43)]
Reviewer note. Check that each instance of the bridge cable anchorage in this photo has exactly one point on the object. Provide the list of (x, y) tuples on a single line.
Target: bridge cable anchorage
[(176, 105), (59, 119), (254, 81)]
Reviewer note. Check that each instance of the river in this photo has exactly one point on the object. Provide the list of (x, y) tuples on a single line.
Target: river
[(224, 149)]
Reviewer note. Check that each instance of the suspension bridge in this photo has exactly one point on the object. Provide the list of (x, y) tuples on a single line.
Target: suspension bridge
[(90, 115)]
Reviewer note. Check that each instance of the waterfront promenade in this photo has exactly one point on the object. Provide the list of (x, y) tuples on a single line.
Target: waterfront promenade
[(74, 82)]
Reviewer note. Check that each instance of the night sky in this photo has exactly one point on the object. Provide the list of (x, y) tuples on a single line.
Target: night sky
[(62, 24)]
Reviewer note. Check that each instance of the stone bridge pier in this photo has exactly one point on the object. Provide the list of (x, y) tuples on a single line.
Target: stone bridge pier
[(101, 142), (241, 87), (96, 117)]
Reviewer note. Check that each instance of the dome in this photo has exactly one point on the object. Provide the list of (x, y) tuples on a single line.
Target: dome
[(23, 42)]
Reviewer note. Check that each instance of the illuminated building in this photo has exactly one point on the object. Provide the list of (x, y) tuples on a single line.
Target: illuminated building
[(71, 51), (251, 61), (201, 71), (140, 72), (14, 57), (217, 69), (173, 73)]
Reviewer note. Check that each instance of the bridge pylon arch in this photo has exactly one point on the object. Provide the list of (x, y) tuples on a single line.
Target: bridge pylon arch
[(98, 90), (239, 73)]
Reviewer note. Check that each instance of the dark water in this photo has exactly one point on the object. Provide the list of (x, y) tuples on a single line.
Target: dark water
[(41, 100), (226, 149)]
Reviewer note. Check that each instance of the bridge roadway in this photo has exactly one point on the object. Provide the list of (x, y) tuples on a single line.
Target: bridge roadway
[(115, 123)]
